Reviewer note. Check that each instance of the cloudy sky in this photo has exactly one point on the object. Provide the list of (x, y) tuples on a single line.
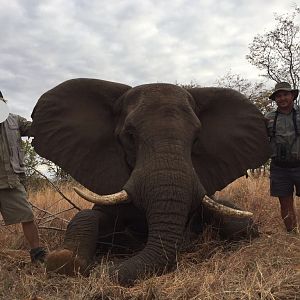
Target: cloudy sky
[(130, 41)]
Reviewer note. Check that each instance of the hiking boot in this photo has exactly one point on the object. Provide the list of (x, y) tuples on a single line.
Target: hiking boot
[(38, 254)]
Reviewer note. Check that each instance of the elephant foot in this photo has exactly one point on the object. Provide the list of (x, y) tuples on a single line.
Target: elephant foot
[(122, 276), (66, 262), (128, 273)]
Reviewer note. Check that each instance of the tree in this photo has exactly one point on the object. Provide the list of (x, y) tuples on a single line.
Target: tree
[(33, 163), (58, 174), (191, 85), (277, 52), (31, 159)]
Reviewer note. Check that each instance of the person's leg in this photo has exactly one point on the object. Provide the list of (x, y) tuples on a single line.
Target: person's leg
[(15, 209), (30, 230), (288, 213), (31, 234), (282, 183)]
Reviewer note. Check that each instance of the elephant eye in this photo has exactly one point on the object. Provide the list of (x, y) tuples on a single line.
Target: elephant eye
[(127, 138), (130, 137), (195, 142)]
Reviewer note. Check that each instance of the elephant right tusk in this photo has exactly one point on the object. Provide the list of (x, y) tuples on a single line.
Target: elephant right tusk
[(225, 210), (112, 199)]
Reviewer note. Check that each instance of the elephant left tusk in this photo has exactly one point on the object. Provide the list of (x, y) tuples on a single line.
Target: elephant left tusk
[(105, 199), (225, 210)]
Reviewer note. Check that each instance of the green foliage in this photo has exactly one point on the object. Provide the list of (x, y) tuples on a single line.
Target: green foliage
[(32, 160), (36, 166), (58, 174)]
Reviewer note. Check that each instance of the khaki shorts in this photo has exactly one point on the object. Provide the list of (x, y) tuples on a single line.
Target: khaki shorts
[(14, 206)]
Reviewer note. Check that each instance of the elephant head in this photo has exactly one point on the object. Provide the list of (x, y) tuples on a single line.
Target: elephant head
[(166, 146)]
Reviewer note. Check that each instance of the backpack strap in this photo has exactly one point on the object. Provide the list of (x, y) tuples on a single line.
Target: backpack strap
[(274, 124), (297, 133)]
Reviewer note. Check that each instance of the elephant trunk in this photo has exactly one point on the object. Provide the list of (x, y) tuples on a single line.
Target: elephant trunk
[(168, 195)]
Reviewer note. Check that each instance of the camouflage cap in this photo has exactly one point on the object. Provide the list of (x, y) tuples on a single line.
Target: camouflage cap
[(284, 86)]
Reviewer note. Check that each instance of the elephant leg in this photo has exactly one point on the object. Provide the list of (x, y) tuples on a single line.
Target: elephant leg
[(79, 245), (82, 233), (96, 232)]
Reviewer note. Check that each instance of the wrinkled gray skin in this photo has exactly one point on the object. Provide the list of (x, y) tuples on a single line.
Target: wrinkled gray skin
[(166, 146), (122, 229)]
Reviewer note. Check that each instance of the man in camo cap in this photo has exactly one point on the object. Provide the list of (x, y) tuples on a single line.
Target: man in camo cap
[(284, 134)]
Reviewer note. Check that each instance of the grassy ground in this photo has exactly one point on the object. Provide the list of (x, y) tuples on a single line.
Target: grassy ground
[(265, 268)]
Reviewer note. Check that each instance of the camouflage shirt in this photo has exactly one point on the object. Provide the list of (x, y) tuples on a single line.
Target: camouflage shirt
[(284, 135), (11, 153)]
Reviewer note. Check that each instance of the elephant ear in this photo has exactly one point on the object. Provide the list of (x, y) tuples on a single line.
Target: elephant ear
[(73, 126), (232, 140)]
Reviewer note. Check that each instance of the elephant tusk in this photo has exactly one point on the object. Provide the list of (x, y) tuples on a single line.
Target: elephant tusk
[(223, 209), (105, 199)]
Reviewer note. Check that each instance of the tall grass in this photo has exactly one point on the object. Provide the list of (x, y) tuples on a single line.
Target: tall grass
[(265, 268)]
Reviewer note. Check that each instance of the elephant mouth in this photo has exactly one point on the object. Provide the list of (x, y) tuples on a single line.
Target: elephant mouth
[(122, 197)]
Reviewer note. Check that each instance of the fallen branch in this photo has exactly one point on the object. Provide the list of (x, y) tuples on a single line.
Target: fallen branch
[(56, 188), (54, 216)]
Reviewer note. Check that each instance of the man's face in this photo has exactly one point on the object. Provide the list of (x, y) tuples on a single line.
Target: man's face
[(284, 99)]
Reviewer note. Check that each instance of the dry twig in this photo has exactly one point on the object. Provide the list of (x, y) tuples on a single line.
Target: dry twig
[(57, 189)]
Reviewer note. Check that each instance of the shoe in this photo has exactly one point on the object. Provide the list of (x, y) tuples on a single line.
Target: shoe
[(38, 254)]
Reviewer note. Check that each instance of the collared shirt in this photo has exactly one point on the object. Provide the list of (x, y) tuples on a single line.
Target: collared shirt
[(11, 153)]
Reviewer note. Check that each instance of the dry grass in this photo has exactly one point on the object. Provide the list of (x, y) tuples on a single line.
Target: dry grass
[(265, 268)]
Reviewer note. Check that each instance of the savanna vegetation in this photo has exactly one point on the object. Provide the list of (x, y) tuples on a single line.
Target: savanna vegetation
[(265, 268)]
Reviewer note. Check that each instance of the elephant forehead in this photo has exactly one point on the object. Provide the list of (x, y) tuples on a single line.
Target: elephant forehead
[(157, 92), (162, 91)]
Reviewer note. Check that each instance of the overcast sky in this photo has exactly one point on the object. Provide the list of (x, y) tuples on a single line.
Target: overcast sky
[(129, 41)]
